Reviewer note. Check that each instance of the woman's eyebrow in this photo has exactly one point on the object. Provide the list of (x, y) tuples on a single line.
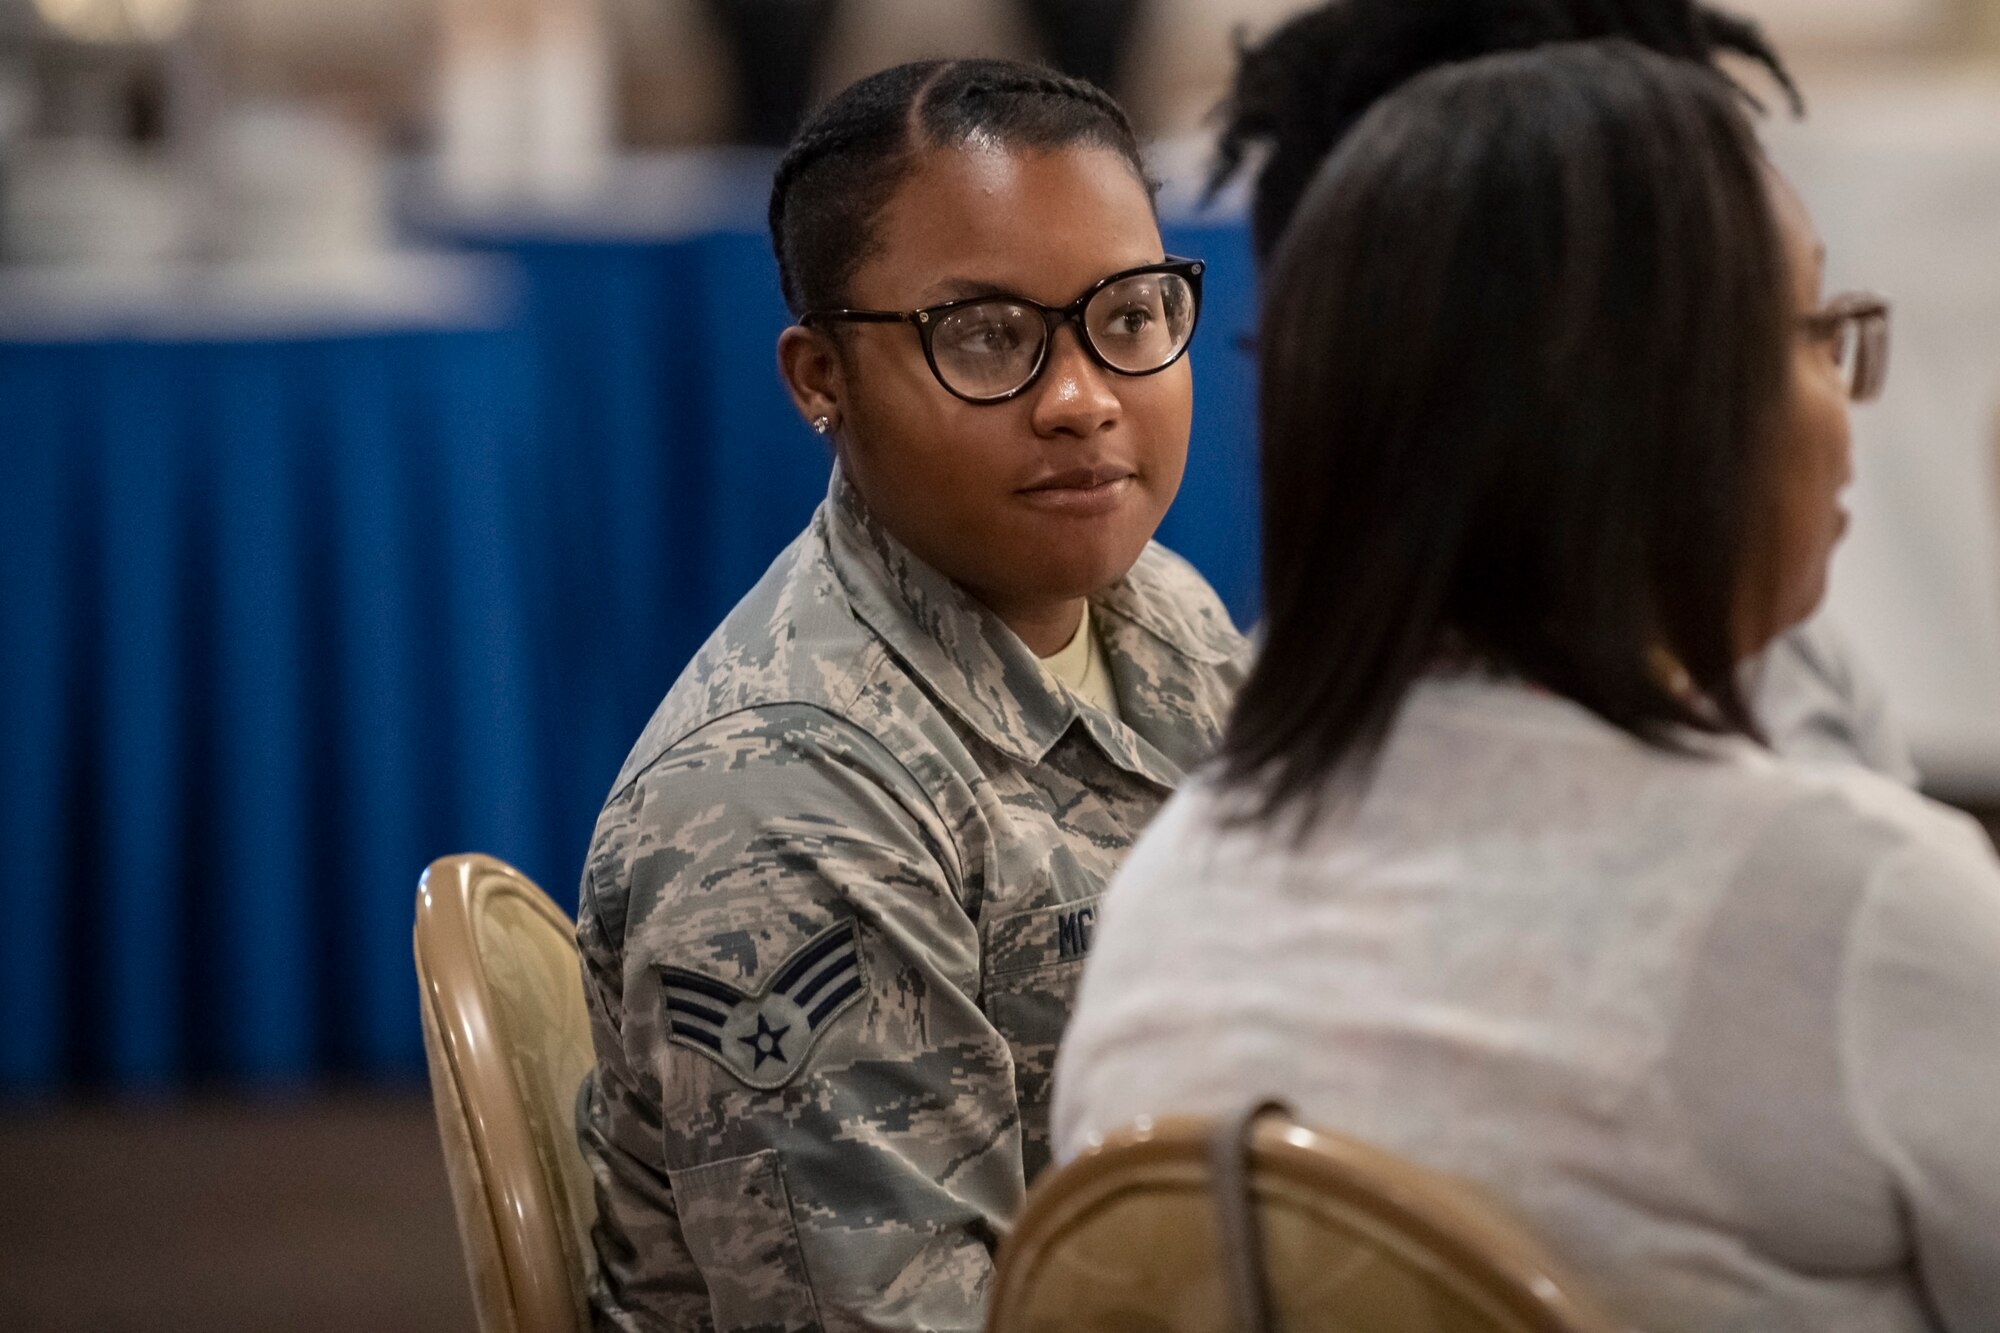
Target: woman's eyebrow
[(958, 289)]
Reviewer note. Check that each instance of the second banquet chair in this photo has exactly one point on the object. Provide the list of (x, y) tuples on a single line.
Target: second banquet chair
[(1257, 1224), (508, 1040)]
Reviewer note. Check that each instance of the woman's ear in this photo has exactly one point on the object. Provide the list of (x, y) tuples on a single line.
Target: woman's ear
[(810, 365)]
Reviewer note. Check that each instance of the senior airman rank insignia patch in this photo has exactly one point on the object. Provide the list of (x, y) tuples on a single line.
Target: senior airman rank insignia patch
[(763, 1039)]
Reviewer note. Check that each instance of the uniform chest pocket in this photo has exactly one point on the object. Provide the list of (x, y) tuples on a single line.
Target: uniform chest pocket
[(1034, 960)]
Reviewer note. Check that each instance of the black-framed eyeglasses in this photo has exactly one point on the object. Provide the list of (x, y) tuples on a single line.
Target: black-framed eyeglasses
[(988, 349), (1856, 326)]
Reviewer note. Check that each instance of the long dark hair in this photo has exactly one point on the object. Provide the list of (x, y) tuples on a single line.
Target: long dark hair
[(1302, 88), (1522, 347)]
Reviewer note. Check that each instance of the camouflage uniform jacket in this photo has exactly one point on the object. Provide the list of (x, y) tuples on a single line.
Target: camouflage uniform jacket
[(832, 920)]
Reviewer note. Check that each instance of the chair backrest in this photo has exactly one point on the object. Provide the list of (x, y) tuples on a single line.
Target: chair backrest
[(508, 1041), (1128, 1239)]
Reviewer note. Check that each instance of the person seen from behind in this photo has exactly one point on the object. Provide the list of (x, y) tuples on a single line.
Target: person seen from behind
[(1494, 869)]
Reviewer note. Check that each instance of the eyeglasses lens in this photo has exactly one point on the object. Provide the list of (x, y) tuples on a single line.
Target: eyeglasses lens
[(1867, 359), (1141, 323), (1843, 343), (988, 350)]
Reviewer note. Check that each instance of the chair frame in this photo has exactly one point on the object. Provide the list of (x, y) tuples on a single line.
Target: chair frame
[(522, 1204), (1410, 1208)]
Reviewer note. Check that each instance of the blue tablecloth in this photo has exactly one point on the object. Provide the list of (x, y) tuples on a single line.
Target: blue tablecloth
[(266, 650), (286, 617)]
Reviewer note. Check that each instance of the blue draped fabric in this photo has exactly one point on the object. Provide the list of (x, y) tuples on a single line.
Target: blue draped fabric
[(266, 651), (285, 619)]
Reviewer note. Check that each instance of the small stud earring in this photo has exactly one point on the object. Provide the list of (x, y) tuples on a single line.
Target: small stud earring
[(822, 425)]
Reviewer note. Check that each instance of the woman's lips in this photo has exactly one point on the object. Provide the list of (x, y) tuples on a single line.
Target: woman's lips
[(1082, 493)]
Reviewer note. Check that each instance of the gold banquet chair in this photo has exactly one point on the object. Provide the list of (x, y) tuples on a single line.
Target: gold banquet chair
[(508, 1042), (1259, 1224)]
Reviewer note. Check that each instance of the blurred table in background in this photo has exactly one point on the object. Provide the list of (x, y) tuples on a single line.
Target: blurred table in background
[(267, 650)]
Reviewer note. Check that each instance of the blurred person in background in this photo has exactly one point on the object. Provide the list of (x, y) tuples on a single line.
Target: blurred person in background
[(1493, 869), (837, 902), (777, 48), (1301, 90), (1088, 39)]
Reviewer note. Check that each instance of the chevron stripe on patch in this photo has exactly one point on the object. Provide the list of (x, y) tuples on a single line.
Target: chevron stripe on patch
[(763, 1039)]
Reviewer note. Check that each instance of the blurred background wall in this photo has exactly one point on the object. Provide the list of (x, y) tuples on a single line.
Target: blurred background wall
[(386, 413)]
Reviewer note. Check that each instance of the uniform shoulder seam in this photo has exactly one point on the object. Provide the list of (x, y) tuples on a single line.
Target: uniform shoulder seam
[(955, 864), (836, 705)]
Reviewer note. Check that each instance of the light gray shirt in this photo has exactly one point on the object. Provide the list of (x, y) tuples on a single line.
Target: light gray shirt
[(1725, 1030), (1820, 704)]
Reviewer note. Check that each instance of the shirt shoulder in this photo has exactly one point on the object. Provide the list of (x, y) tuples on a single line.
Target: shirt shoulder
[(1855, 816), (792, 639), (1819, 702), (754, 786), (1168, 597)]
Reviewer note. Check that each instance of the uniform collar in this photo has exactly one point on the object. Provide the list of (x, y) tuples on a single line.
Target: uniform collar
[(978, 668)]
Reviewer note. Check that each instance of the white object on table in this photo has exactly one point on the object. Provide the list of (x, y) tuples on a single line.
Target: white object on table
[(294, 181), (524, 101), (192, 301), (645, 196), (91, 200)]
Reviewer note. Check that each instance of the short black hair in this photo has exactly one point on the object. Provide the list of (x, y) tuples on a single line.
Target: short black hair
[(1522, 349), (851, 154), (1304, 86)]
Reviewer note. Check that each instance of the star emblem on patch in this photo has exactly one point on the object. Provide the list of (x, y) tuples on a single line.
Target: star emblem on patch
[(768, 1044), (762, 1038)]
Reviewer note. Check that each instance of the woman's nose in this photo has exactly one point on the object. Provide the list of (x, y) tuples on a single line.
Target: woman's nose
[(1075, 396)]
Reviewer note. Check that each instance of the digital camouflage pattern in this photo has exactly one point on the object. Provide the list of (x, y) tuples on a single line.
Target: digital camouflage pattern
[(832, 920)]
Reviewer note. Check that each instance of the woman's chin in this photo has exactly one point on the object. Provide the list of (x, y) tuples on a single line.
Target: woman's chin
[(1801, 606), (1087, 572)]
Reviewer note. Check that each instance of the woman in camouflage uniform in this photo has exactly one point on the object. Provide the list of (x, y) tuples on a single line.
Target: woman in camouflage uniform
[(837, 901)]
